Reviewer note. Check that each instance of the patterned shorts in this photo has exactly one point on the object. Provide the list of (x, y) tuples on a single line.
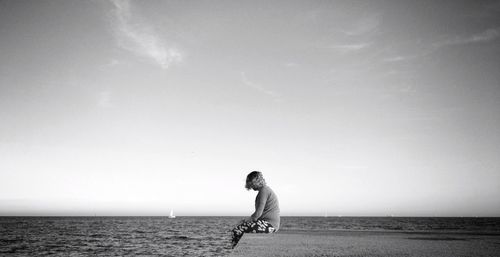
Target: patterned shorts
[(259, 226)]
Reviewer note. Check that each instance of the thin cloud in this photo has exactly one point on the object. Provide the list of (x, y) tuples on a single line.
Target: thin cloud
[(398, 58), (403, 58), (113, 62), (291, 64), (257, 86), (141, 39), (482, 37), (363, 26), (104, 99), (350, 48), (485, 36)]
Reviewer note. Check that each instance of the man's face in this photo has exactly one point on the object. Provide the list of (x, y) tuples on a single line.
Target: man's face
[(249, 184)]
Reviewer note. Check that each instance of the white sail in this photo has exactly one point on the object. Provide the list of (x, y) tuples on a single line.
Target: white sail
[(171, 214)]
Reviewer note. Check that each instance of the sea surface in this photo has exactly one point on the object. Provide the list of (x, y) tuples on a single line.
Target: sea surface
[(184, 236)]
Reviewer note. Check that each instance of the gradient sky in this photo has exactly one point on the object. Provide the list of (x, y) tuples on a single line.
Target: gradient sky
[(347, 107)]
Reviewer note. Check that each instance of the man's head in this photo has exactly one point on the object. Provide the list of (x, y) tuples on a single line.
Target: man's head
[(255, 180)]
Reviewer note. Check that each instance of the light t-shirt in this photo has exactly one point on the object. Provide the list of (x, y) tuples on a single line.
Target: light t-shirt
[(267, 199)]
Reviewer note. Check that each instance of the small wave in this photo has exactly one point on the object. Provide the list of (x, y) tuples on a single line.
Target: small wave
[(183, 238), (438, 238), (97, 235), (11, 241)]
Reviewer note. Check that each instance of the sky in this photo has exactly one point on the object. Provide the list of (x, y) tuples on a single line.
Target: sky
[(363, 108)]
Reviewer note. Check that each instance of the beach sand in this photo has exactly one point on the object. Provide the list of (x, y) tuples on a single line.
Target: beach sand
[(367, 243)]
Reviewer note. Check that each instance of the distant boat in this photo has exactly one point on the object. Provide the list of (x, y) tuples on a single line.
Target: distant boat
[(171, 216)]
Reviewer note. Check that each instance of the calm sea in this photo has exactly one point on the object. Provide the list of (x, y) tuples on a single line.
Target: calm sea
[(183, 236)]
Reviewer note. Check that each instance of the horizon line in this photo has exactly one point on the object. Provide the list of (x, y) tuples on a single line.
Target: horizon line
[(305, 216)]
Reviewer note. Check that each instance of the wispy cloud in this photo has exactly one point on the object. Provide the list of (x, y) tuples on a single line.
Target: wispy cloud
[(484, 36), (409, 57), (141, 39), (111, 63), (349, 48), (397, 58), (258, 87), (291, 64), (104, 99), (481, 37), (363, 26)]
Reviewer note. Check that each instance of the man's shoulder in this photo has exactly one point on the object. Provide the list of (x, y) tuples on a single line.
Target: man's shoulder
[(267, 190)]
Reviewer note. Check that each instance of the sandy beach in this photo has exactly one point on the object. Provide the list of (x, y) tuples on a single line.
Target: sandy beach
[(368, 243)]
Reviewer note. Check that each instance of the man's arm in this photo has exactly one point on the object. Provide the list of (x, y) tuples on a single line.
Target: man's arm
[(260, 203)]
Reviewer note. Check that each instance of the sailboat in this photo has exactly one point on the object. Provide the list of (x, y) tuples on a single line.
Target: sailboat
[(171, 216)]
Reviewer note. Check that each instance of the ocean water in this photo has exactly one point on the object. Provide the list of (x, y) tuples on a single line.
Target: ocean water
[(183, 236)]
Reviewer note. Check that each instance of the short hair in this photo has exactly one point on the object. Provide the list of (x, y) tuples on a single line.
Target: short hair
[(255, 180)]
